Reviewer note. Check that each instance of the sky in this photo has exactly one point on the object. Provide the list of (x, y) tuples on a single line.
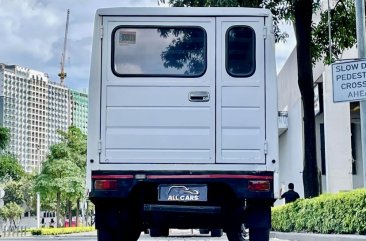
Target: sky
[(32, 35)]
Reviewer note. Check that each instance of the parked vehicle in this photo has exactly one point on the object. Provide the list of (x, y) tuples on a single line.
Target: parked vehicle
[(182, 129)]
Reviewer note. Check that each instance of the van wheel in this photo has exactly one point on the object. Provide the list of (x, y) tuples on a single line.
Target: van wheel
[(239, 234), (106, 235), (235, 235), (216, 232), (204, 231), (118, 235), (159, 232), (259, 234)]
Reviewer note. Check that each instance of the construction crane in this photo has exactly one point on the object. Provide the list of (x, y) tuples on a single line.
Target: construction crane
[(62, 73)]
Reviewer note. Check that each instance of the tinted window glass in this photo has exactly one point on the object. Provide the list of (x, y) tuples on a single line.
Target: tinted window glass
[(240, 52), (161, 51)]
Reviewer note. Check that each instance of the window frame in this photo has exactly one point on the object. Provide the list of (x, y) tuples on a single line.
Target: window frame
[(113, 35), (254, 57)]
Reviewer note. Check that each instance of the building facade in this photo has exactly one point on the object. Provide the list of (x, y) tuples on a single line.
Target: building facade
[(79, 110), (338, 131), (34, 108)]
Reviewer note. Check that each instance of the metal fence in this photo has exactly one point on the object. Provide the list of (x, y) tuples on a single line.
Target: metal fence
[(11, 231)]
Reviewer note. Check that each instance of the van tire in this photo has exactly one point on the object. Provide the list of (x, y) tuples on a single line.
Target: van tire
[(159, 232), (216, 232), (204, 231), (114, 235), (234, 235), (259, 234), (106, 235)]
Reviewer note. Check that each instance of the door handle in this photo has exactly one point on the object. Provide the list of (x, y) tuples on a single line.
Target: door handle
[(199, 96)]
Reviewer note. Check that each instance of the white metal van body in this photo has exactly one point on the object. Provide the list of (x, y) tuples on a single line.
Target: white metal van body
[(182, 96)]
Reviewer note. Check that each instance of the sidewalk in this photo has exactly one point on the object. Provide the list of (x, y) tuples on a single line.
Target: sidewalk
[(317, 237)]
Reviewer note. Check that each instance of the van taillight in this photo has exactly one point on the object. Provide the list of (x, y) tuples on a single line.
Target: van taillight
[(256, 186), (105, 184)]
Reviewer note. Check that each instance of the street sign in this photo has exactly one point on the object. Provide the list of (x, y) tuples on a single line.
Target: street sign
[(349, 81)]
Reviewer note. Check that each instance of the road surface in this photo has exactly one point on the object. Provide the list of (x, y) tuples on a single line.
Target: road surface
[(175, 235)]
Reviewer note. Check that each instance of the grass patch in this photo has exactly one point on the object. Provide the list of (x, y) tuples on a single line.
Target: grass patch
[(57, 231), (343, 213)]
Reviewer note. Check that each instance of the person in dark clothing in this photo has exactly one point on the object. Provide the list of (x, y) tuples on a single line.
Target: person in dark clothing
[(52, 223), (290, 196)]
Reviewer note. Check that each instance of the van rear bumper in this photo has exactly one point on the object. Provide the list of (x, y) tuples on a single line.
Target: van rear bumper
[(146, 183), (182, 209)]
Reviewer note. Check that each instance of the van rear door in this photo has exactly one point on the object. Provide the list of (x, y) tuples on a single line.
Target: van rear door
[(240, 86), (188, 90), (158, 90)]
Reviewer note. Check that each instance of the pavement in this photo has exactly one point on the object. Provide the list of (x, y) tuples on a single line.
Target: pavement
[(280, 235), (86, 234), (317, 237), (275, 235)]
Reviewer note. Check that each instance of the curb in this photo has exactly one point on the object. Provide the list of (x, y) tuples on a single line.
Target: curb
[(81, 234), (317, 237)]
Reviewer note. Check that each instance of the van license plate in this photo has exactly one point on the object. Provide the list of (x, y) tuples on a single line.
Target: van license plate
[(182, 193)]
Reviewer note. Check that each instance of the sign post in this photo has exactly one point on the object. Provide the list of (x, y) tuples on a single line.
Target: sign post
[(349, 78), (360, 26)]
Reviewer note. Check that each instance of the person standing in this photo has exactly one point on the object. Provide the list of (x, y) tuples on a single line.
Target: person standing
[(290, 196)]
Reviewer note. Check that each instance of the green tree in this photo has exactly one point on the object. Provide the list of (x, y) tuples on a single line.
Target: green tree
[(10, 169), (343, 29), (21, 192), (11, 212), (62, 179), (75, 141), (4, 137), (14, 193)]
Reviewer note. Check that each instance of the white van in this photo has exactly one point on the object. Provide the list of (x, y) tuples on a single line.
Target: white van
[(182, 121)]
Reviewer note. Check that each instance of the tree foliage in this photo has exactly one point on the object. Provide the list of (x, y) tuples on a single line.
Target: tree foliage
[(280, 9), (343, 32), (4, 137), (20, 192), (62, 178), (10, 169), (184, 50), (13, 193), (11, 212), (75, 141)]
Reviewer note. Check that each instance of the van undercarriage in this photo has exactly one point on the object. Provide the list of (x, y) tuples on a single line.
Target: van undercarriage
[(134, 201)]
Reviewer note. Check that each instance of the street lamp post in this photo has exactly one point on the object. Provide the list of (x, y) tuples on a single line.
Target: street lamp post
[(38, 195), (361, 46)]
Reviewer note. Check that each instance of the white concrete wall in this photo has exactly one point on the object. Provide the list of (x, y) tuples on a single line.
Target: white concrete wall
[(288, 90), (291, 142), (337, 130), (291, 152), (336, 119)]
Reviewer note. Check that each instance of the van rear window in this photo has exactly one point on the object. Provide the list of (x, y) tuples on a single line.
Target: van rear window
[(159, 51), (240, 51)]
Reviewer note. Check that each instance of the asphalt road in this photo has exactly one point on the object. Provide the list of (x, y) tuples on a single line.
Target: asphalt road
[(175, 235)]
